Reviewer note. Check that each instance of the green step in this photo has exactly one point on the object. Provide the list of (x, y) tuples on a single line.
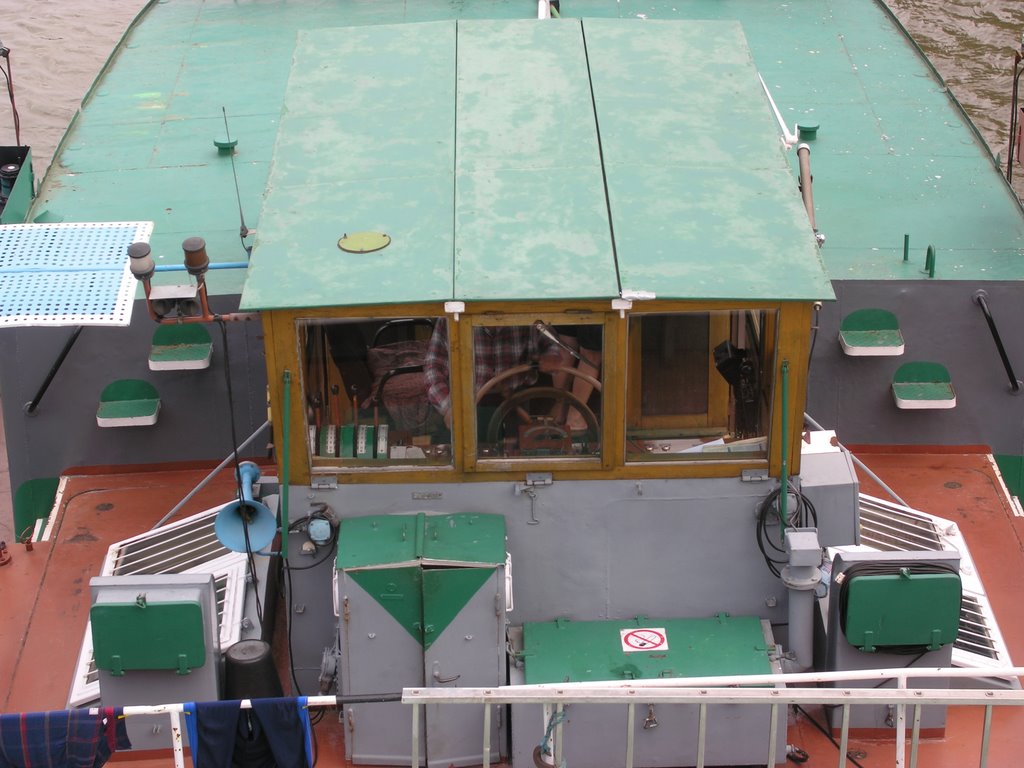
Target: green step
[(128, 403), (33, 500), (871, 333), (922, 385), (180, 347)]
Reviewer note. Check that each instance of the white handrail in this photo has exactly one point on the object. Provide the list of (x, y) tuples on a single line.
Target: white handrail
[(788, 138), (725, 690), (702, 691)]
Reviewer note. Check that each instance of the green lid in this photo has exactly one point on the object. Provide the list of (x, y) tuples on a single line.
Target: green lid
[(377, 541), (141, 636), (643, 648)]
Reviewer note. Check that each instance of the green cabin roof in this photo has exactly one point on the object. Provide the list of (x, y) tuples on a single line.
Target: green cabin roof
[(517, 160), (893, 156)]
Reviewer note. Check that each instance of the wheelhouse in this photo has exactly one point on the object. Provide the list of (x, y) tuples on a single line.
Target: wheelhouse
[(515, 279)]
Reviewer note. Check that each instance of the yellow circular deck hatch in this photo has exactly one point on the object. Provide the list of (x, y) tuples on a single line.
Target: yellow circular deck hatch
[(364, 242)]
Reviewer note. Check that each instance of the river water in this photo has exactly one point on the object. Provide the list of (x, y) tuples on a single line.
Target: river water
[(58, 47), (971, 43)]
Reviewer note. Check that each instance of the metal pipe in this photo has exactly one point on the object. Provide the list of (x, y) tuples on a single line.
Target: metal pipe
[(784, 471), (844, 738), (415, 762), (906, 247), (176, 740), (981, 299), (30, 407), (901, 724), (702, 733), (803, 153), (801, 614), (915, 736), (789, 679), (487, 736), (630, 733), (559, 732), (986, 733), (206, 480), (860, 464), (929, 261), (1017, 71), (285, 460), (220, 265)]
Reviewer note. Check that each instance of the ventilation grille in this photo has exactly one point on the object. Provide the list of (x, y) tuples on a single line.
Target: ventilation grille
[(174, 549), (186, 546), (68, 274), (974, 636), (889, 527)]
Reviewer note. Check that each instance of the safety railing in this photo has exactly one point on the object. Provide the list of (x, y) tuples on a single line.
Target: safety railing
[(700, 692), (175, 712), (706, 692)]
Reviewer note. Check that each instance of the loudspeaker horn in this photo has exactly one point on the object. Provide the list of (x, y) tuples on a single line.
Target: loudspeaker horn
[(248, 519)]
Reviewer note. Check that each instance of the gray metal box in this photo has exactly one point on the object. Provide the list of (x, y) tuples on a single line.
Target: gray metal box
[(829, 480), (148, 686), (595, 735), (835, 653)]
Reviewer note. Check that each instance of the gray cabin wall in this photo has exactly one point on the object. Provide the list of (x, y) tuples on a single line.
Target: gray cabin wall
[(941, 323), (617, 549), (193, 424)]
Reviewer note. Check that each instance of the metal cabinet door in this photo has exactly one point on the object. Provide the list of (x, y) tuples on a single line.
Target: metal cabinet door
[(381, 652), (463, 630)]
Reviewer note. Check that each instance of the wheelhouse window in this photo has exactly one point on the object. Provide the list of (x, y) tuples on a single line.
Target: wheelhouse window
[(365, 393), (699, 385), (537, 389)]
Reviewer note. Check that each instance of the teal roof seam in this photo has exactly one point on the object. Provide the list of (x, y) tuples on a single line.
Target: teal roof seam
[(455, 162), (600, 153)]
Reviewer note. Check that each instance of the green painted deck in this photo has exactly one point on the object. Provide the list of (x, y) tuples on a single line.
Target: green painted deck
[(893, 155)]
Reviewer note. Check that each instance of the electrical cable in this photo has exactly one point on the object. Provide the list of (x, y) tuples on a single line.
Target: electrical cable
[(243, 231), (825, 731), (814, 333), (288, 613), (319, 512), (803, 515), (796, 755), (238, 474), (9, 77)]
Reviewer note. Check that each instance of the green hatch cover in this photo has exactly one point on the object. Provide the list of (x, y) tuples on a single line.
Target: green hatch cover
[(399, 561), (133, 636), (581, 651), (377, 540), (464, 538), (912, 609)]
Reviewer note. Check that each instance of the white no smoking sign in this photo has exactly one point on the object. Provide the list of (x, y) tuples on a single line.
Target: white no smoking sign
[(644, 639)]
